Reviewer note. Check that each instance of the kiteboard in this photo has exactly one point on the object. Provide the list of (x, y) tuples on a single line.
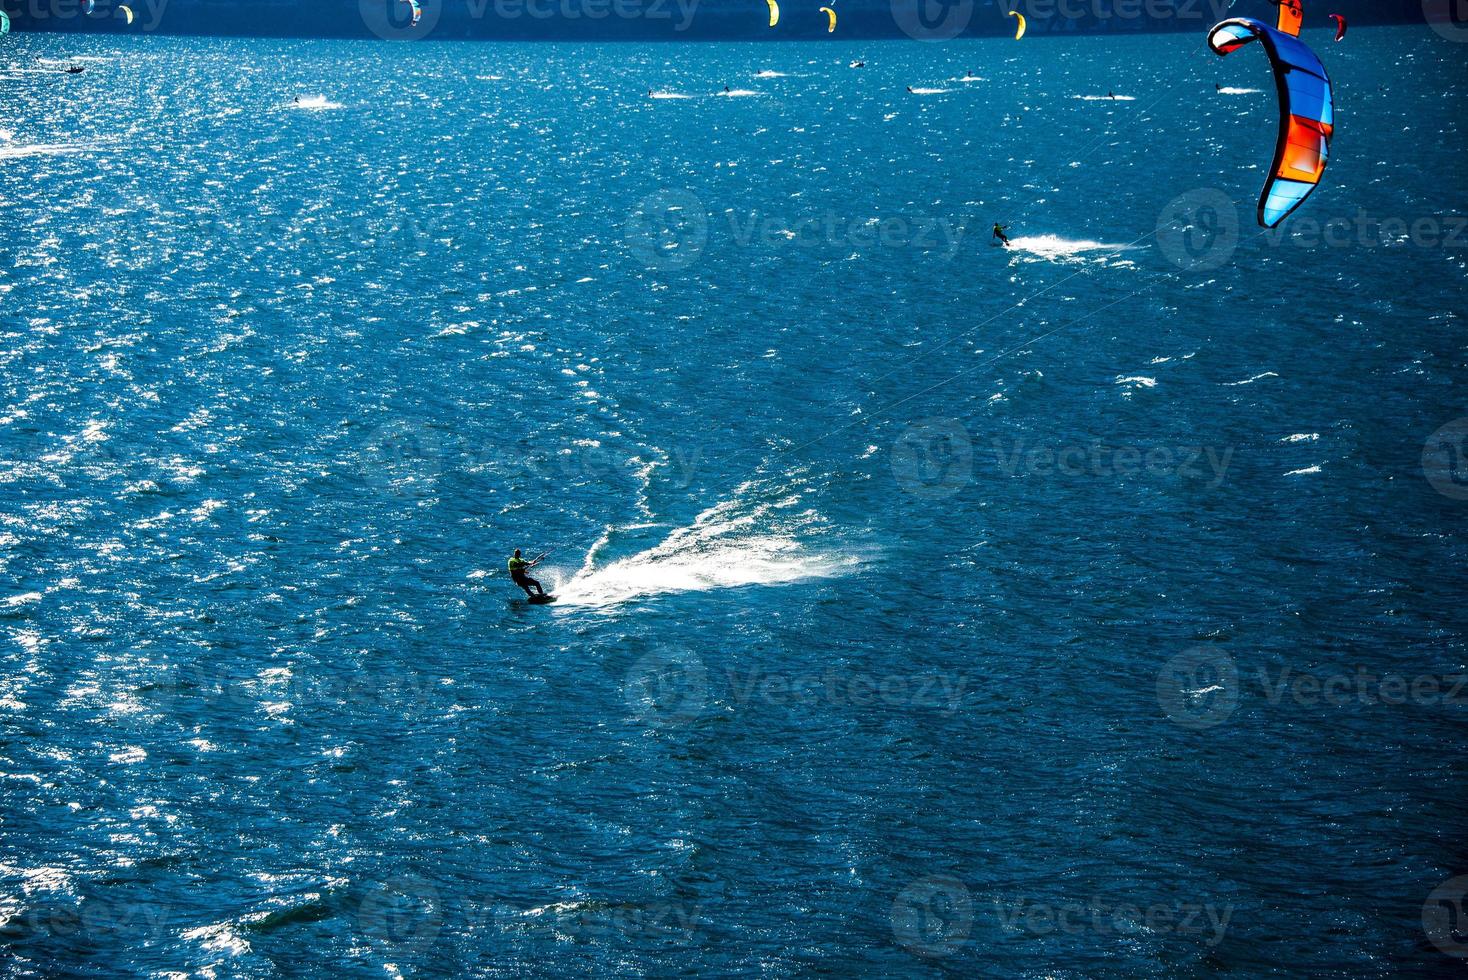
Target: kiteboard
[(540, 600)]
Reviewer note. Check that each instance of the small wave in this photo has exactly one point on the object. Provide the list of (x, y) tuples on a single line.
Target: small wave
[(1306, 470), (1302, 437), (734, 93), (1137, 381), (927, 91), (668, 95), (309, 907), (1249, 381), (767, 73)]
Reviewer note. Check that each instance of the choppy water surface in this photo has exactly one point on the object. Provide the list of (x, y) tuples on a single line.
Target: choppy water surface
[(927, 607)]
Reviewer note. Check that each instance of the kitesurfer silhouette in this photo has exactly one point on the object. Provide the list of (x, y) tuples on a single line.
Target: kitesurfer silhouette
[(518, 567)]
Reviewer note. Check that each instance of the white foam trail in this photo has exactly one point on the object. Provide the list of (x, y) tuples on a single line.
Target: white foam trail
[(1105, 98), (1230, 90), (1249, 381), (928, 91), (1055, 247), (737, 93), (767, 73), (727, 546), (668, 95), (315, 103), (40, 150)]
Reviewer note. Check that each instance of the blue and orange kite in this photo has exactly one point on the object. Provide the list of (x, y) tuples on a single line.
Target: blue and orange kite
[(1307, 110)]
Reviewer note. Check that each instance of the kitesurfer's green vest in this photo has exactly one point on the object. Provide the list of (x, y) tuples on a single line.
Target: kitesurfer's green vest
[(518, 565)]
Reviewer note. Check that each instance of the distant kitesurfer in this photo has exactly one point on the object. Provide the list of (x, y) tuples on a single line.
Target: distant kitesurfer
[(518, 567), (909, 88), (1217, 87), (999, 234), (1111, 95), (726, 90)]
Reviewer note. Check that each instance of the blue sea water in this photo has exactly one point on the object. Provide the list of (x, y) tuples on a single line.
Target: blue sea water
[(926, 607)]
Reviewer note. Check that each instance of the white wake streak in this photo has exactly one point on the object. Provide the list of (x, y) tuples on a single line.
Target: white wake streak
[(723, 548), (1055, 248)]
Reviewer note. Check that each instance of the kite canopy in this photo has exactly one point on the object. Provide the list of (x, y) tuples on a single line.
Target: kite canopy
[(126, 13), (4, 22), (1019, 31), (1340, 26), (774, 12), (831, 14), (1291, 16), (1307, 115), (417, 11)]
